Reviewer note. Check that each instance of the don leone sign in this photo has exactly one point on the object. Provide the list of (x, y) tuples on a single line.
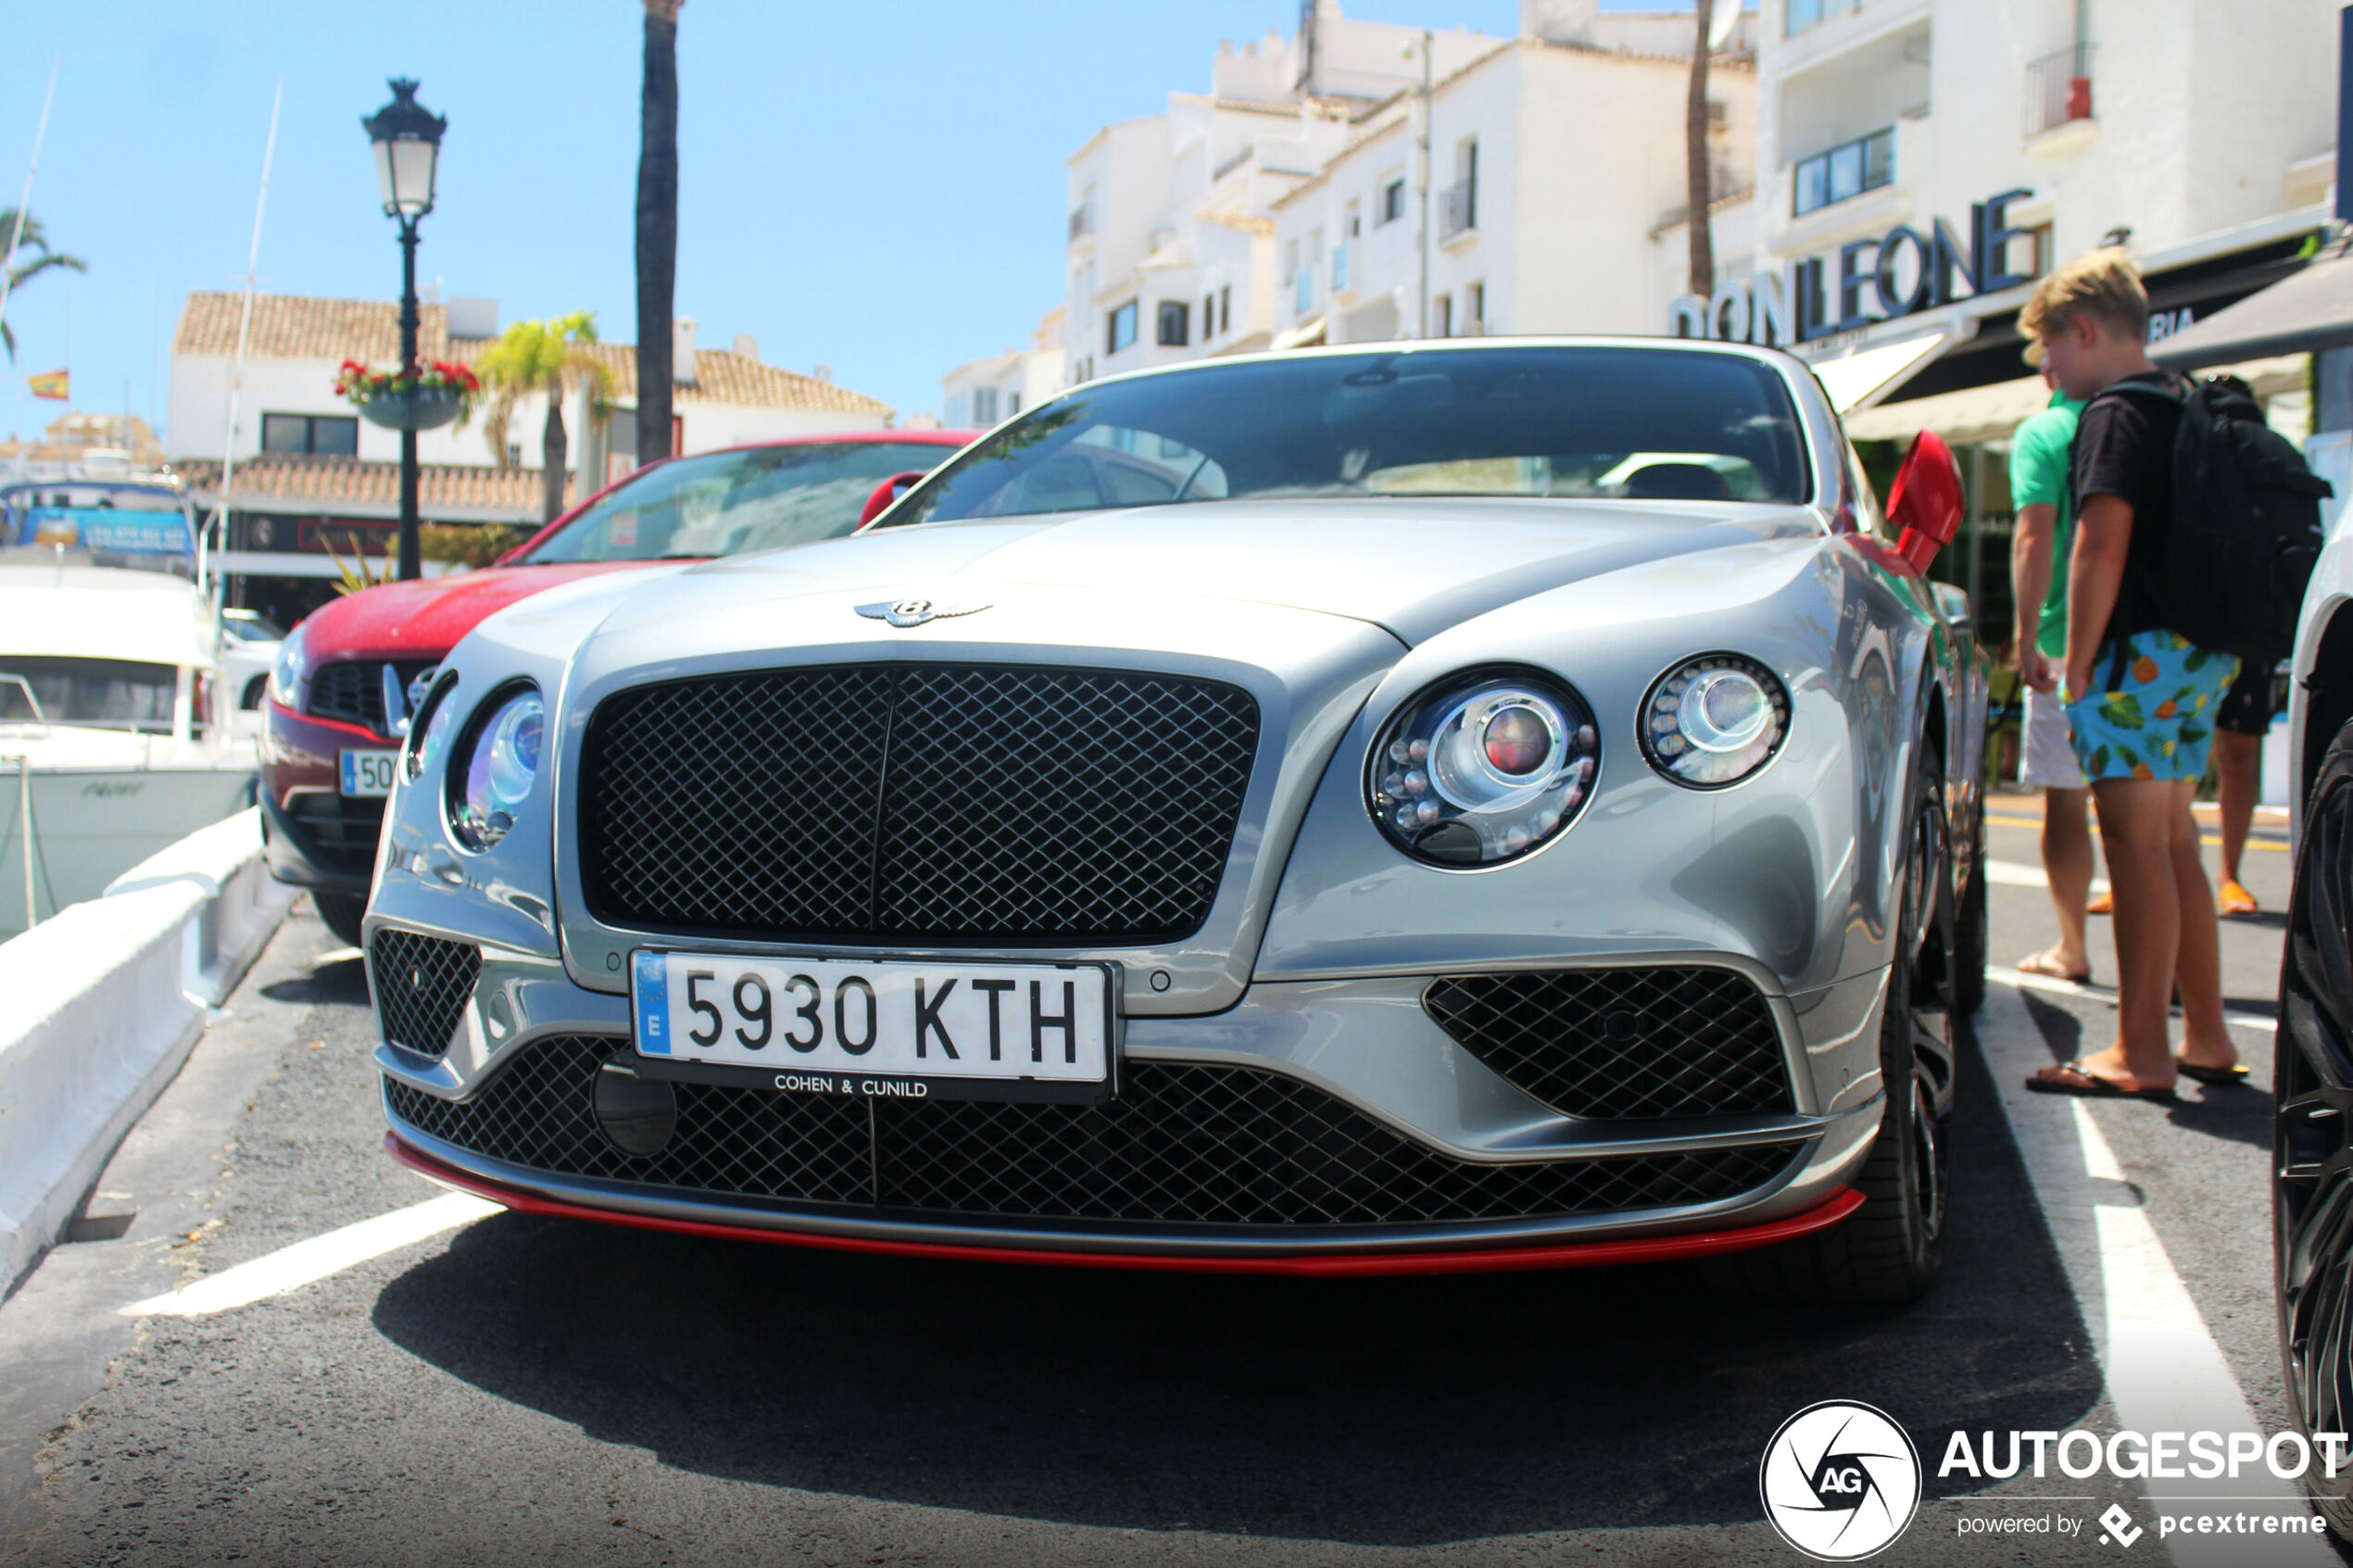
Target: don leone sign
[(1899, 273)]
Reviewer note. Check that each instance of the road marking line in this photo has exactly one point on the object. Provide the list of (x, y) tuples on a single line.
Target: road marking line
[(2254, 841), (290, 1268), (2015, 873), (2162, 1368), (2018, 980)]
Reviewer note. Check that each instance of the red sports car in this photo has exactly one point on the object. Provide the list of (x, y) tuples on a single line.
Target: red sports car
[(349, 677)]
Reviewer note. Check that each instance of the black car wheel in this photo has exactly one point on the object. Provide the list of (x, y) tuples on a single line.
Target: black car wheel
[(2312, 1143), (343, 913), (1890, 1251)]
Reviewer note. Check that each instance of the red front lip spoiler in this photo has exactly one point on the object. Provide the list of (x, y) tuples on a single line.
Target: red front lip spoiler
[(1567, 1255)]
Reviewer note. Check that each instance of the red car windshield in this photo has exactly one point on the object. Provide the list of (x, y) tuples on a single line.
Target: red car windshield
[(727, 503)]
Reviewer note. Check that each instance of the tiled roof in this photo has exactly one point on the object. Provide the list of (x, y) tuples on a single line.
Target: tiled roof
[(279, 481), (297, 327), (290, 326)]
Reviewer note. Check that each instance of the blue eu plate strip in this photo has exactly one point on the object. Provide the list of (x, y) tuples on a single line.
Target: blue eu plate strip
[(653, 1003), (350, 774)]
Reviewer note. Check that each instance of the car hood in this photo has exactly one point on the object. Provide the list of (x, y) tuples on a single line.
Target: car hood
[(1411, 567), (425, 618)]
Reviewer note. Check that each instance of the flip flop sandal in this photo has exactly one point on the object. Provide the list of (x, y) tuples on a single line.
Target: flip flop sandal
[(2040, 963), (2218, 1076), (2101, 904), (2074, 1078)]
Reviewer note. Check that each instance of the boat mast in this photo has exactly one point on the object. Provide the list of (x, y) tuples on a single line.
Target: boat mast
[(24, 204), (237, 371)]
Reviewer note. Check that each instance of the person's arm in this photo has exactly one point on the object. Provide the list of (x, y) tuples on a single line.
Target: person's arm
[(2095, 577), (2030, 582)]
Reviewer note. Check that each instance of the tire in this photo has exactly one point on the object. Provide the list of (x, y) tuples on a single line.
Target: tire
[(2311, 1145), (1890, 1251), (343, 913)]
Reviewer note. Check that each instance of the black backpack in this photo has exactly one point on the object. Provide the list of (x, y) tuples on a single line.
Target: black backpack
[(2246, 529)]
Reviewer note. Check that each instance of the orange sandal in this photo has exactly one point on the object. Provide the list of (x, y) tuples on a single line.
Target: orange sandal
[(2236, 901), (2101, 904)]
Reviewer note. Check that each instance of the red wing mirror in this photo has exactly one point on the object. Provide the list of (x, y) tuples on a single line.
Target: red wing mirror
[(889, 490), (1926, 500)]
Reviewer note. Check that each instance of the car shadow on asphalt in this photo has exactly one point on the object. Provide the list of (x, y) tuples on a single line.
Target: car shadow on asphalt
[(332, 980), (1391, 1411)]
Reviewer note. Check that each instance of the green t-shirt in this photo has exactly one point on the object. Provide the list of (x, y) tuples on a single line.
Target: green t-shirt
[(2038, 477)]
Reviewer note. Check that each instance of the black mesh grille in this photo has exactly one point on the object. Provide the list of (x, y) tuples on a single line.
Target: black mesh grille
[(422, 985), (916, 802), (1622, 1043), (342, 831), (1183, 1143), (354, 692)]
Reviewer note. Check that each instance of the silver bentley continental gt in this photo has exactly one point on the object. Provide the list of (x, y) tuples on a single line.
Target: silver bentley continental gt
[(1393, 809)]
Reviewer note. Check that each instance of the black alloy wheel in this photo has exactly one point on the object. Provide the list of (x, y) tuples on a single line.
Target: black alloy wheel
[(342, 913), (1889, 1252), (2312, 1141)]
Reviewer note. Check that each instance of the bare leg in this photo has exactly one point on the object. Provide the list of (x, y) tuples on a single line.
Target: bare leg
[(2197, 963), (2067, 861), (2236, 760), (2137, 831)]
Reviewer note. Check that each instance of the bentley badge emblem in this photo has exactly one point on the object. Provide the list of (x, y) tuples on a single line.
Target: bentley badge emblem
[(914, 612)]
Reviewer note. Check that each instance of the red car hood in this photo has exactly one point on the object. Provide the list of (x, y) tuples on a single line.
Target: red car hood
[(424, 619)]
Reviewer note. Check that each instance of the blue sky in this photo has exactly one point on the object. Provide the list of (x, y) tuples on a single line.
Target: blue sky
[(875, 185)]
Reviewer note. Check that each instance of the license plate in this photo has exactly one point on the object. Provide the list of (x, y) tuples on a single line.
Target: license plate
[(368, 772), (895, 1028)]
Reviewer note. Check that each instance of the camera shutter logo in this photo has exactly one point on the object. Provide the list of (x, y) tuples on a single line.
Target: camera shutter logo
[(1839, 1481)]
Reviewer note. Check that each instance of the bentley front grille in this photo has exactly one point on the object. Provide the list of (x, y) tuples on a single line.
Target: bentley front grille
[(1622, 1044), (1184, 1144), (915, 802), (422, 985)]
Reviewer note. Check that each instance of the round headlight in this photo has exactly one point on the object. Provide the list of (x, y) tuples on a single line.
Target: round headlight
[(429, 735), (1482, 768), (1714, 720), (494, 773)]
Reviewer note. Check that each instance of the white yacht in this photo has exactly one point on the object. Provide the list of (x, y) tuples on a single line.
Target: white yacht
[(115, 732)]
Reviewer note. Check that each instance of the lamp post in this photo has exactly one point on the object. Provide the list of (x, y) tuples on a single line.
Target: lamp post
[(407, 143)]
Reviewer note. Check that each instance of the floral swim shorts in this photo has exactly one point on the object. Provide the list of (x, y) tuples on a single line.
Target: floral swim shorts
[(2159, 723)]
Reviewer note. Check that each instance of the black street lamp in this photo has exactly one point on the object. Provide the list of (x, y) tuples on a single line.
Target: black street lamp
[(407, 143)]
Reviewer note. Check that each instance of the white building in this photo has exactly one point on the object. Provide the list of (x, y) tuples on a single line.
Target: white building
[(1551, 158), (978, 392), (311, 477), (1171, 249), (1922, 161)]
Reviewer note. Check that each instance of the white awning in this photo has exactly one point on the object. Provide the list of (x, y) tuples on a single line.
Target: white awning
[(1861, 377), (1990, 413), (1307, 334)]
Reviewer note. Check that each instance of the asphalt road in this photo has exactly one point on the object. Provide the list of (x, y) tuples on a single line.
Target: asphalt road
[(533, 1391)]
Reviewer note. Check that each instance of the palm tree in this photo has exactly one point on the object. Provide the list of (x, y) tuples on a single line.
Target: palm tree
[(23, 272), (656, 226), (552, 358), (1695, 160)]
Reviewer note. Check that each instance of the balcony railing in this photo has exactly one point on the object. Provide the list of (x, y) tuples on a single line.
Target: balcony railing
[(1805, 15), (1844, 171), (2059, 90), (1082, 221), (1339, 267), (1459, 208)]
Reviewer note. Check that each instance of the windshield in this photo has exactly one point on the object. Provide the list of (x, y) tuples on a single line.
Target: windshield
[(117, 693), (725, 503), (1523, 421)]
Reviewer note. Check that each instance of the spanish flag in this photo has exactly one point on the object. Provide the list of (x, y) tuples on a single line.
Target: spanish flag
[(51, 384)]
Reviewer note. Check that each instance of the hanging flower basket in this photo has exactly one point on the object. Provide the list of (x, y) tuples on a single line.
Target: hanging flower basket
[(431, 395)]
